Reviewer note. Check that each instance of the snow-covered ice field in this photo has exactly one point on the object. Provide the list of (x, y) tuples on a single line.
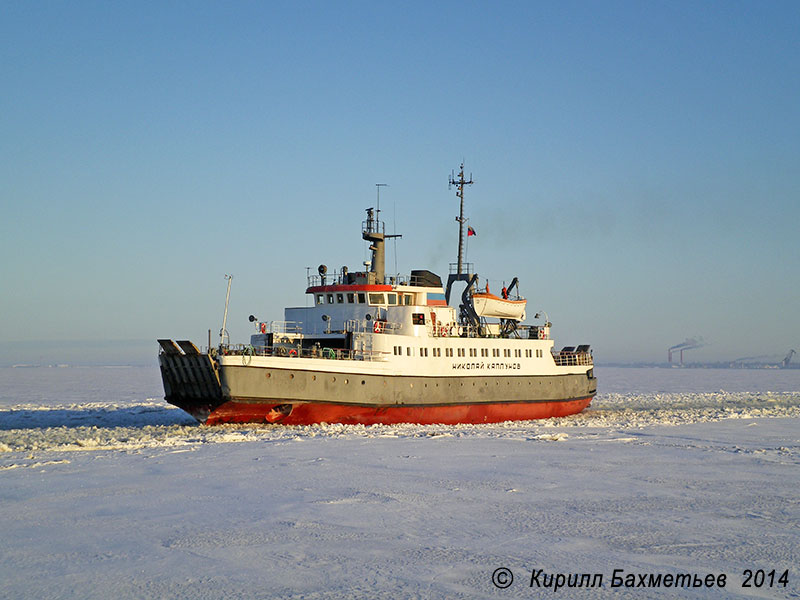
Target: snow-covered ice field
[(107, 492)]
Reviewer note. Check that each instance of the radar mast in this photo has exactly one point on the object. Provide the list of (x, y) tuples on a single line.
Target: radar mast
[(460, 183)]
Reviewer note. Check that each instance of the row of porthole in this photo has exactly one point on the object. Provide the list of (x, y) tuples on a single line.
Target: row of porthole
[(486, 383), (314, 378)]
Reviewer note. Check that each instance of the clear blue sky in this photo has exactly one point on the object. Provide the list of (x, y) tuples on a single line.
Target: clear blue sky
[(637, 164)]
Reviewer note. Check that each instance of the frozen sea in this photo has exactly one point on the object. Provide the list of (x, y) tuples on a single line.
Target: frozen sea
[(107, 492)]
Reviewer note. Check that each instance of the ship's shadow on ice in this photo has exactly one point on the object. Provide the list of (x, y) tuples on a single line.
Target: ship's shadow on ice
[(105, 417)]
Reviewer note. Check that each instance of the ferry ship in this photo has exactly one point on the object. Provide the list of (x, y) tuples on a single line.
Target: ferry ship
[(376, 349)]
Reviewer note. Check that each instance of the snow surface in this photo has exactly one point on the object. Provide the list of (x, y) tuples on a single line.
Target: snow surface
[(106, 491)]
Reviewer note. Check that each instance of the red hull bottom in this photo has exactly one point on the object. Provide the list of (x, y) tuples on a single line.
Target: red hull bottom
[(312, 413)]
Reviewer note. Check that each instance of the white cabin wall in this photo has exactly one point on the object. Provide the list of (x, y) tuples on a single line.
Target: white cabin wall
[(310, 318)]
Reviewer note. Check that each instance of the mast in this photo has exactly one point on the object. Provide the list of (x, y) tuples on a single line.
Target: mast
[(460, 183), (461, 273), (223, 333), (373, 230)]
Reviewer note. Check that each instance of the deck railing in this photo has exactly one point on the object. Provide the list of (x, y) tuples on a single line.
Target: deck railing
[(466, 268), (247, 351), (442, 330), (573, 359), (283, 327), (341, 278)]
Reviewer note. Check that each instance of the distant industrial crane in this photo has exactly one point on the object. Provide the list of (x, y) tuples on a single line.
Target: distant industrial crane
[(766, 360)]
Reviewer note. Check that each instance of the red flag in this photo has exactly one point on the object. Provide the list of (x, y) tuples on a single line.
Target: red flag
[(470, 231)]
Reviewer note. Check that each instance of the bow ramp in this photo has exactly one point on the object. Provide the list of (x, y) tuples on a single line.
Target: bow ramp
[(191, 378)]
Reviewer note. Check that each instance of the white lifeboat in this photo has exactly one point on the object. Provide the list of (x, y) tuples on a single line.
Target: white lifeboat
[(487, 304)]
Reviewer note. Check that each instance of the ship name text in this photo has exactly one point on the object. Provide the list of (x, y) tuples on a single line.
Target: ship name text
[(492, 366)]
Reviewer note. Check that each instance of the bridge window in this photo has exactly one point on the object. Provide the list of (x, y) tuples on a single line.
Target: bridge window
[(392, 299), (408, 300), (330, 298), (340, 298), (351, 298), (320, 299), (376, 299), (362, 298)]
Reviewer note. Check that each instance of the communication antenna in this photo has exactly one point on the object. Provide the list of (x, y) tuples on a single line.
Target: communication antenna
[(394, 231), (460, 183), (393, 235), (378, 186)]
